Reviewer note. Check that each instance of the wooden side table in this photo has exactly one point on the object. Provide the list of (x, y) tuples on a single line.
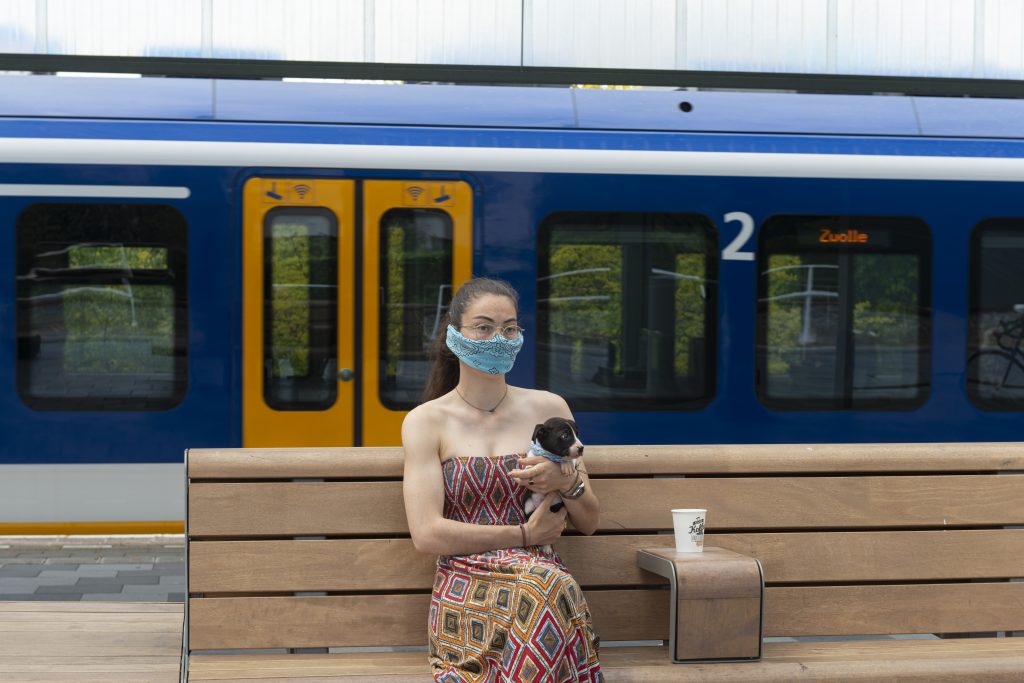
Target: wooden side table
[(717, 611)]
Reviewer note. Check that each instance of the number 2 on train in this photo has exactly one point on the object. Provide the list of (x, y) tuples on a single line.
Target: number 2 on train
[(732, 252)]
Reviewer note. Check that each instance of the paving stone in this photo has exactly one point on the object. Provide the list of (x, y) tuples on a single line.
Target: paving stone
[(20, 570), (122, 566), (96, 571), (131, 580), (18, 583), (124, 597), (154, 571), (47, 573), (34, 597), (62, 589), (23, 560), (172, 580), (60, 563), (147, 588)]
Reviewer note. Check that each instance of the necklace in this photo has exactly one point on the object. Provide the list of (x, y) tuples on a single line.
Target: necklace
[(478, 407)]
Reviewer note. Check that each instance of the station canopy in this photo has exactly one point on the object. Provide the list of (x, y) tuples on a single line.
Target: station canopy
[(930, 39)]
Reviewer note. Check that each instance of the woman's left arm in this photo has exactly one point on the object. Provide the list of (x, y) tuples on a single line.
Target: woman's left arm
[(585, 511)]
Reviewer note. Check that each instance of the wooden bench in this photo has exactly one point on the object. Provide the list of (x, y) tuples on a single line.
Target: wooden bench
[(308, 548)]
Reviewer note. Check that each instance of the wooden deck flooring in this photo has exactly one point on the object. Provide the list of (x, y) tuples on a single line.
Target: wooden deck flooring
[(90, 641)]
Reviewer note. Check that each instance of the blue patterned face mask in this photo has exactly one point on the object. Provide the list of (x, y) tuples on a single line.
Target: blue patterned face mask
[(493, 356)]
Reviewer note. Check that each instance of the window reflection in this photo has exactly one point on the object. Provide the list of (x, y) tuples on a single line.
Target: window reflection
[(995, 361), (301, 309), (101, 307), (624, 310), (843, 324), (415, 276)]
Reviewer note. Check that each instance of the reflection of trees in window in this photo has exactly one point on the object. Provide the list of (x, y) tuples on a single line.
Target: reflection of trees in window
[(622, 309), (101, 306), (290, 300), (843, 325), (416, 269), (300, 308), (585, 296)]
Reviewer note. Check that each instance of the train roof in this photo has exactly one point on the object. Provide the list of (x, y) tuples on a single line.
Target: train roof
[(183, 99)]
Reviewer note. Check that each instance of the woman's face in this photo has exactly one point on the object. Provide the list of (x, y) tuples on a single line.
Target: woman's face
[(486, 315)]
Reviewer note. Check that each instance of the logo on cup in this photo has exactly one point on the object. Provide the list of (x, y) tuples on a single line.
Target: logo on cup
[(697, 528)]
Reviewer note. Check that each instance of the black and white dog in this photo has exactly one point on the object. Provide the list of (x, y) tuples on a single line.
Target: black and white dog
[(557, 440)]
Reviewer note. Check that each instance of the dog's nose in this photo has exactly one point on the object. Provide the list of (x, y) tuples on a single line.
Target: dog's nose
[(581, 450)]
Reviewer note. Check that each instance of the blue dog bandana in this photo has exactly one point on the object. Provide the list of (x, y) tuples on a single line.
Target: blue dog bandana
[(494, 356), (537, 449)]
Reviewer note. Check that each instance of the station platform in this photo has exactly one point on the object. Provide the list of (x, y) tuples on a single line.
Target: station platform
[(93, 568)]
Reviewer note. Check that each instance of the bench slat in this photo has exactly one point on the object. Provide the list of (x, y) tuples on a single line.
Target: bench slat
[(367, 508), (846, 556), (341, 621), (378, 620), (891, 609), (282, 463), (393, 564)]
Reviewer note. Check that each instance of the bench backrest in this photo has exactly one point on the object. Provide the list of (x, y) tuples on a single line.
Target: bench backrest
[(306, 548)]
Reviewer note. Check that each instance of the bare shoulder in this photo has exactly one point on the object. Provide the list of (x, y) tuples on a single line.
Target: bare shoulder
[(545, 404), (421, 428)]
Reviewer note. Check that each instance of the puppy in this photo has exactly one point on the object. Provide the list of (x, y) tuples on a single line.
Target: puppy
[(557, 440)]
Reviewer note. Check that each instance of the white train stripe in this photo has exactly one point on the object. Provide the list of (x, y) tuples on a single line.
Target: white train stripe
[(105, 191), (88, 493), (594, 161)]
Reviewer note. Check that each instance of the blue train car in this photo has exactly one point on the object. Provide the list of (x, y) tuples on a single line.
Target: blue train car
[(197, 263)]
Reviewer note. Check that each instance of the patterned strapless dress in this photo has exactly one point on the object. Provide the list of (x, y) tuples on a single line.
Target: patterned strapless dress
[(511, 615)]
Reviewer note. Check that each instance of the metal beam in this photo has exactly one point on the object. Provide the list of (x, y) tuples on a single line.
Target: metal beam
[(194, 67)]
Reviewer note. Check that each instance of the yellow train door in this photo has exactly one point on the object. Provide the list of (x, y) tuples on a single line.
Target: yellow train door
[(302, 382), (417, 243)]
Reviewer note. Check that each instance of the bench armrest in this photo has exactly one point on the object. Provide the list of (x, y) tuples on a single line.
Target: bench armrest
[(717, 603)]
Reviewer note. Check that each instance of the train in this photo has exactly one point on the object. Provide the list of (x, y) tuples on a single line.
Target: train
[(222, 263)]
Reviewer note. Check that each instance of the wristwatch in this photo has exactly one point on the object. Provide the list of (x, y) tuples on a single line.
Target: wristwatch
[(576, 490)]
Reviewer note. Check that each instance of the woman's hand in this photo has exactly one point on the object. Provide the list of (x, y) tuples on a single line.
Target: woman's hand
[(544, 526), (540, 475)]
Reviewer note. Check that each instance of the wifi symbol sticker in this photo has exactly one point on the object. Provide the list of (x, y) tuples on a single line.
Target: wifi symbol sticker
[(415, 192), (302, 191)]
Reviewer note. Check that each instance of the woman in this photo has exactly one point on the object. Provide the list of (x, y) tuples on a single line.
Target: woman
[(502, 609)]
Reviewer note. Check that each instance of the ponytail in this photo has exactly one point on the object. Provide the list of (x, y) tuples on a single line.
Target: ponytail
[(444, 373)]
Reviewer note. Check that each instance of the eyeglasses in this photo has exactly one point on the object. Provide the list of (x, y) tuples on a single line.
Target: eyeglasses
[(485, 331)]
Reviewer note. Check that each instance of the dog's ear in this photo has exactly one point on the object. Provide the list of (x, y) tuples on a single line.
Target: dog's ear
[(537, 431)]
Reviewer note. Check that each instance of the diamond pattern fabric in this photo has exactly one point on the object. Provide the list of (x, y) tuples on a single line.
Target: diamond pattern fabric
[(510, 615)]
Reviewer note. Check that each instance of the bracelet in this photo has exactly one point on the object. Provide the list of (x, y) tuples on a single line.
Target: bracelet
[(576, 490), (522, 530)]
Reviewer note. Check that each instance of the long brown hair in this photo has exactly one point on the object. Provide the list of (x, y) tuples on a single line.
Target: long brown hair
[(444, 373)]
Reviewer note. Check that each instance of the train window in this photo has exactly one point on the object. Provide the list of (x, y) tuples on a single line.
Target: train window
[(626, 310), (995, 361), (300, 285), (843, 313), (101, 306), (415, 276)]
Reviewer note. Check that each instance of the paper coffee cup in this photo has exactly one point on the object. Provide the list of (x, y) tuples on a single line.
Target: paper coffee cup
[(689, 527)]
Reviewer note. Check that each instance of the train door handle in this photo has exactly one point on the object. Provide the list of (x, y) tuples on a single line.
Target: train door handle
[(345, 374)]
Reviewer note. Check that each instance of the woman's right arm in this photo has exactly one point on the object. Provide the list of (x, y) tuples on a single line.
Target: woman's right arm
[(423, 490)]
